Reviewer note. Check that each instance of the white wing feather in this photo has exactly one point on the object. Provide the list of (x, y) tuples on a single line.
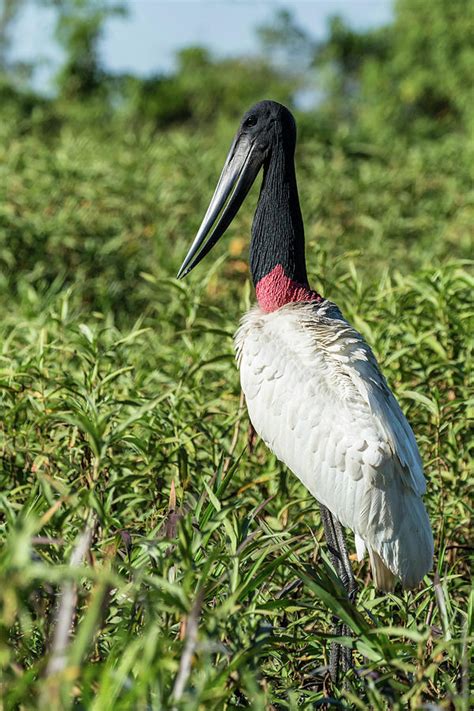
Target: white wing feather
[(317, 398)]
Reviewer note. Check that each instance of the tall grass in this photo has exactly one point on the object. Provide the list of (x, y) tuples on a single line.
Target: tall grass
[(205, 581)]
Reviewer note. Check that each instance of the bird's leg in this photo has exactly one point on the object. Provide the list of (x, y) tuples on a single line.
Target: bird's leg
[(340, 657), (335, 653), (350, 585)]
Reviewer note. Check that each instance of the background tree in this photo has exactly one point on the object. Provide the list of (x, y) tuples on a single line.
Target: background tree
[(429, 72), (203, 88), (79, 29), (339, 62), (286, 43), (412, 77)]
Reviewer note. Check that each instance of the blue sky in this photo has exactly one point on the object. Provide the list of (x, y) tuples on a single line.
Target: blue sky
[(146, 40)]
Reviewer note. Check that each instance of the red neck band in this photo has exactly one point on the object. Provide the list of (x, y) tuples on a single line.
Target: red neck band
[(275, 290)]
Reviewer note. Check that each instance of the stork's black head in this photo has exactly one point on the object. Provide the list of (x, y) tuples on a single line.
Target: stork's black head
[(267, 124), (263, 127)]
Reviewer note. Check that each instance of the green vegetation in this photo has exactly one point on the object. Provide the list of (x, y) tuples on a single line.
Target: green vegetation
[(205, 582)]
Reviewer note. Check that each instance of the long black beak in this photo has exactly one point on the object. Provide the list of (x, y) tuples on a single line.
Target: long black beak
[(239, 172)]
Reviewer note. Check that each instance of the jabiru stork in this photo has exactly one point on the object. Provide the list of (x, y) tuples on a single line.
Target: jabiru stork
[(312, 385)]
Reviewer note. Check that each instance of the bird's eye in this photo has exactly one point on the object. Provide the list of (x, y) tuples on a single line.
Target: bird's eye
[(250, 121)]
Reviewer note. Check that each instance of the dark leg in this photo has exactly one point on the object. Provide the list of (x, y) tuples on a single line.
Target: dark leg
[(340, 657)]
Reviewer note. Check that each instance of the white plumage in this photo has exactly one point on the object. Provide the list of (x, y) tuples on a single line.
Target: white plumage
[(317, 398)]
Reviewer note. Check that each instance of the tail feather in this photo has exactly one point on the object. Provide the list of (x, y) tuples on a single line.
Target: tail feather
[(383, 577), (410, 555), (395, 528), (403, 547)]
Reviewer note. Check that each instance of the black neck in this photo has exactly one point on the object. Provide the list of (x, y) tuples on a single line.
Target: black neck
[(277, 229)]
